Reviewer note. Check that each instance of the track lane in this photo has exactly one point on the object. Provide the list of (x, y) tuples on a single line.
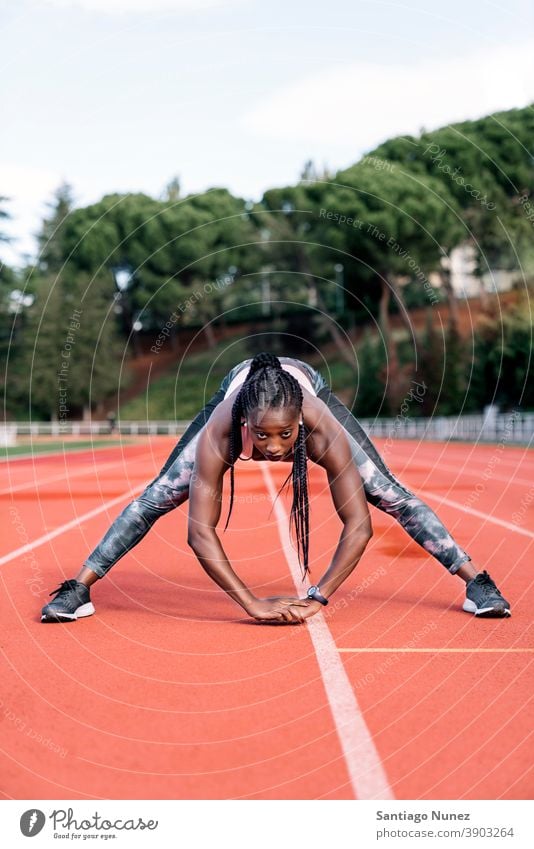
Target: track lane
[(170, 691)]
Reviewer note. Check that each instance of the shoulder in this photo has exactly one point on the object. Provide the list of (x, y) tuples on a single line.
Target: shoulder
[(214, 439), (327, 441)]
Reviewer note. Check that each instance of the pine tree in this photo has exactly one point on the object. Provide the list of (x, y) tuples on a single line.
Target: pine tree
[(75, 360), (52, 251)]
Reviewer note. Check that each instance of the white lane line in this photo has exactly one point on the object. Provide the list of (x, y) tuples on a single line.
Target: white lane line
[(440, 651), (508, 525), (74, 523), (38, 455), (425, 467), (367, 775), (37, 482)]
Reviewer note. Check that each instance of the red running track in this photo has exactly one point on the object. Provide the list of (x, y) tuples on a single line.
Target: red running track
[(170, 692)]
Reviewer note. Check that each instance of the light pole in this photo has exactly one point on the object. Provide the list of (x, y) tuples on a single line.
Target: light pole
[(265, 235), (123, 278), (340, 290)]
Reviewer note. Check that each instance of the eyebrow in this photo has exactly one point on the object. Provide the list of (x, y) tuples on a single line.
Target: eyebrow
[(287, 427)]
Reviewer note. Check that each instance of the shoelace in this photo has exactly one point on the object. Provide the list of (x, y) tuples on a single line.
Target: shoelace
[(66, 585), (486, 584)]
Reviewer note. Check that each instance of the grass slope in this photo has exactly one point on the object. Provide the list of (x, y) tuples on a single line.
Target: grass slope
[(182, 392)]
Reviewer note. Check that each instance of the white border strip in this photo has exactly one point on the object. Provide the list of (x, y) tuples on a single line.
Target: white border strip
[(474, 650), (364, 766), (486, 516)]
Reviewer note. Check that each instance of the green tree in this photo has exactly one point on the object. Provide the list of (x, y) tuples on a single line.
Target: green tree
[(75, 359), (486, 166), (172, 248), (502, 368), (381, 225), (52, 250)]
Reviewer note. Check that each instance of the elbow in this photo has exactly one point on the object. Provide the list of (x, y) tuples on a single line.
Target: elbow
[(365, 536), (368, 531), (361, 531), (198, 537)]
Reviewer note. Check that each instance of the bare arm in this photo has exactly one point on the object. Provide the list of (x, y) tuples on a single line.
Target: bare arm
[(205, 501), (351, 506)]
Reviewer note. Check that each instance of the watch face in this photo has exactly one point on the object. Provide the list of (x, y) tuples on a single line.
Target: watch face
[(312, 590)]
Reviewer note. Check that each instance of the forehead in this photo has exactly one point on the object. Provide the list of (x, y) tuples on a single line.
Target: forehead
[(273, 418)]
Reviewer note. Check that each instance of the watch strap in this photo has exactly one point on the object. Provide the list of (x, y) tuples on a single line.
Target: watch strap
[(316, 595)]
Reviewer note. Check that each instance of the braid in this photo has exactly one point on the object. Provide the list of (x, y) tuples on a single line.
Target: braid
[(236, 446), (300, 514), (268, 386)]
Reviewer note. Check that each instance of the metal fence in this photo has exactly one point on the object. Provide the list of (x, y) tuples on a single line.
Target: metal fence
[(510, 428)]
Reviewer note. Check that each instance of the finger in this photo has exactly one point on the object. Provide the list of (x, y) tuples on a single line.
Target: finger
[(296, 602), (296, 615)]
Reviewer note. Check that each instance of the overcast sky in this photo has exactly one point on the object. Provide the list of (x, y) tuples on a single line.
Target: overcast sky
[(121, 95)]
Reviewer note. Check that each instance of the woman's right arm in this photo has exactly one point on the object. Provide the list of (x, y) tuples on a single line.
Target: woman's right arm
[(205, 499)]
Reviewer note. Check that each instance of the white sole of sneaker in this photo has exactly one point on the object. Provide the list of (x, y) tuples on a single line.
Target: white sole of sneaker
[(470, 607), (85, 610)]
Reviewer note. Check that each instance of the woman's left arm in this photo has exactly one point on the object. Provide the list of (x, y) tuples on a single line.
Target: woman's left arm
[(351, 506)]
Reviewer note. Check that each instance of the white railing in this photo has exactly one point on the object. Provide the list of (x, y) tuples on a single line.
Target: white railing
[(510, 428), (93, 428)]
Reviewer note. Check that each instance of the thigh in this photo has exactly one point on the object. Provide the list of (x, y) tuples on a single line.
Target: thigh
[(379, 482), (171, 487), (192, 430), (199, 421)]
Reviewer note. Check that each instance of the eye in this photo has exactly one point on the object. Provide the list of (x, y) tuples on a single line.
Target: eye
[(286, 434)]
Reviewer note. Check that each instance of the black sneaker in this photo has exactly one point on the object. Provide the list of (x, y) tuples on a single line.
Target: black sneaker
[(484, 599), (72, 602)]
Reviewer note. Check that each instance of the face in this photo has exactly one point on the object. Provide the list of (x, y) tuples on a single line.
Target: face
[(274, 432)]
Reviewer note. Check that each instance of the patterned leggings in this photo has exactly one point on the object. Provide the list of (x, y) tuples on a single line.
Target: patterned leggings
[(382, 489)]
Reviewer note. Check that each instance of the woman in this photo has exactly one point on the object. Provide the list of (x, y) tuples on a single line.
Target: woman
[(280, 410)]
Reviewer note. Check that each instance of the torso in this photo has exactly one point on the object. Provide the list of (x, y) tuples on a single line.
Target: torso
[(315, 414)]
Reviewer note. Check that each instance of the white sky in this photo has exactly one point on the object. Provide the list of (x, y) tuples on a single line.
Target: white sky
[(121, 95)]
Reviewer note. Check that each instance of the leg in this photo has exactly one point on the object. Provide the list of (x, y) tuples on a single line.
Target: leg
[(158, 498), (382, 489), (164, 494), (169, 489), (385, 492)]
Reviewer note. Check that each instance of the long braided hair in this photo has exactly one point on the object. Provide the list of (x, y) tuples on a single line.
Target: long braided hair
[(267, 385)]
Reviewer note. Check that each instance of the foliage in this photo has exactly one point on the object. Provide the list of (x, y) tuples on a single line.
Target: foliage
[(503, 372), (314, 259), (72, 356)]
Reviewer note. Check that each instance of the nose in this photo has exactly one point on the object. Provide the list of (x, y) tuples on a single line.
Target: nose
[(272, 452)]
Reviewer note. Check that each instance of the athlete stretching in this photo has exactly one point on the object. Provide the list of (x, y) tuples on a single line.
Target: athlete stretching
[(276, 409)]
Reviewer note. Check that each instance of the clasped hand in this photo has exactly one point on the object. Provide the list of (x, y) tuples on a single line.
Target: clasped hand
[(283, 610)]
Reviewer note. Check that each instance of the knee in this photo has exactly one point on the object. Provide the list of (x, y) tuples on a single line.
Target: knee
[(398, 502), (161, 498)]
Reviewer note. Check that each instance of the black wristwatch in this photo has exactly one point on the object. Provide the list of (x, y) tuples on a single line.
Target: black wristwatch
[(314, 593)]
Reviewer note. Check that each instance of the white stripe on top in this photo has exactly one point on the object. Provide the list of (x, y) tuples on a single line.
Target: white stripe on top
[(240, 378)]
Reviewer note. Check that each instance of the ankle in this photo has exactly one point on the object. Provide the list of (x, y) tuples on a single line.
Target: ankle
[(86, 577), (467, 572)]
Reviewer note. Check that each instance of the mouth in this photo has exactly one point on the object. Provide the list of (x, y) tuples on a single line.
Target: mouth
[(274, 457)]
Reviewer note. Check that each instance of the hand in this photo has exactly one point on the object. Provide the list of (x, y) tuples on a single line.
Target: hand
[(310, 609), (278, 609), (283, 610)]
